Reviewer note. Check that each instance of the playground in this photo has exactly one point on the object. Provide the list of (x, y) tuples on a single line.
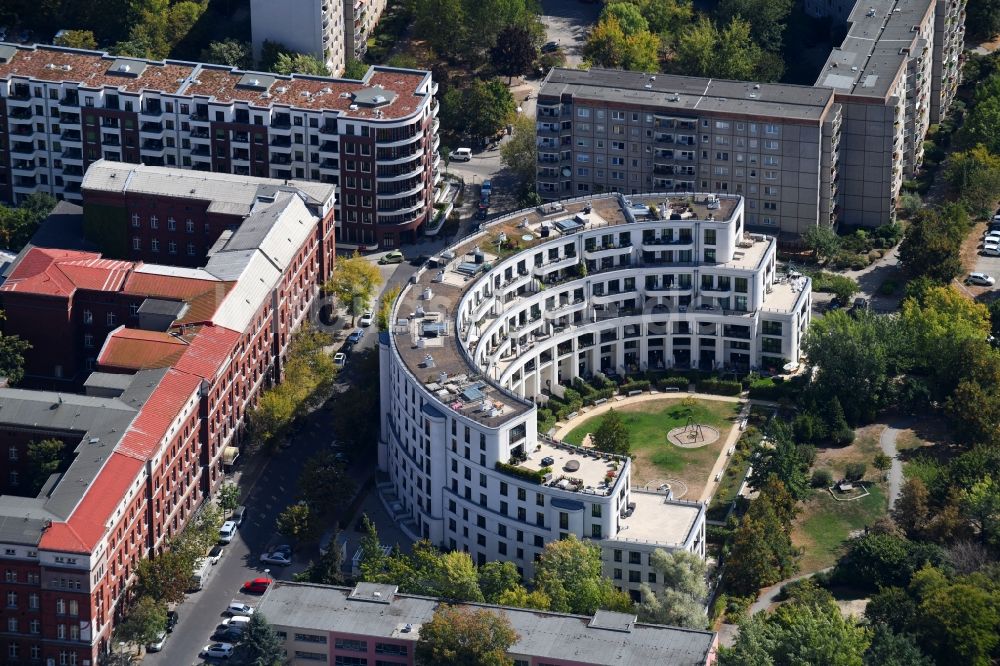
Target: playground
[(675, 441)]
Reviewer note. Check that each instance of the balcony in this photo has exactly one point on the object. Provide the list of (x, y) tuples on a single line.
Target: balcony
[(110, 140), (201, 151), (69, 118), (281, 159), (199, 133), (21, 113), (151, 128)]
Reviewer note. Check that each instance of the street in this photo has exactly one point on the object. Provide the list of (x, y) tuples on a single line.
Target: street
[(273, 487)]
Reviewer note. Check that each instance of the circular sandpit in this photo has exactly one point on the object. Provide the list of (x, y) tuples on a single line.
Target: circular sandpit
[(693, 436)]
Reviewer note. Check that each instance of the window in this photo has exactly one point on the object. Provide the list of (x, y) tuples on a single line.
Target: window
[(388, 648), (709, 236), (88, 317), (153, 222), (154, 245), (347, 661), (313, 656), (136, 243), (88, 340), (634, 577), (634, 557), (595, 510), (190, 249), (135, 220), (110, 319), (618, 555), (189, 226), (12, 453), (171, 224), (595, 531)]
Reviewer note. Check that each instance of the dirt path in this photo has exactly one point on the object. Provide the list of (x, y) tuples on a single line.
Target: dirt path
[(887, 441)]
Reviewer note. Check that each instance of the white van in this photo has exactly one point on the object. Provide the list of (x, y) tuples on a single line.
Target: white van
[(227, 531), (461, 155)]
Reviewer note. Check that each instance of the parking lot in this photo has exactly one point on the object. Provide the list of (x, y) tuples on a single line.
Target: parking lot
[(984, 264)]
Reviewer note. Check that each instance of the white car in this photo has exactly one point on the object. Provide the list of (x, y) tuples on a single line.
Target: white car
[(281, 559), (157, 644), (992, 236), (981, 279), (367, 318), (218, 650), (992, 249), (239, 608), (339, 359), (461, 155), (227, 531)]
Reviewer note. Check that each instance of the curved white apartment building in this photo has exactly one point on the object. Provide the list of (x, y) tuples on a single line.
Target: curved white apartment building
[(596, 284)]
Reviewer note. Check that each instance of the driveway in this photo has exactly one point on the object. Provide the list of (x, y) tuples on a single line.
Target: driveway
[(568, 23)]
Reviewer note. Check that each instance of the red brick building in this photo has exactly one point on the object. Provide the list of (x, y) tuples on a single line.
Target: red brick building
[(181, 354)]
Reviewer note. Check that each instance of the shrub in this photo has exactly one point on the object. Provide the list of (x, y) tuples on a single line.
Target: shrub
[(680, 383), (521, 472), (719, 386), (822, 478), (855, 471), (636, 385), (842, 436)]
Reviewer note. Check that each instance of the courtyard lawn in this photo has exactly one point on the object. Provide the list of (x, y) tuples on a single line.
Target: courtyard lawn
[(656, 460), (824, 524)]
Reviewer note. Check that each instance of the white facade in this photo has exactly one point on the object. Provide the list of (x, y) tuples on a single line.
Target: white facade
[(476, 341), (313, 27)]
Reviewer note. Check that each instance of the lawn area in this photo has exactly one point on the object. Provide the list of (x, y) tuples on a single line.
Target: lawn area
[(864, 449), (655, 460), (825, 523)]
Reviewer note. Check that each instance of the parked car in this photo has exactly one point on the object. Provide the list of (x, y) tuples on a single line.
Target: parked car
[(257, 586), (172, 618), (550, 47), (487, 187), (215, 554), (367, 318), (991, 249), (156, 644), (981, 279), (340, 359), (227, 531), (283, 548), (394, 257), (234, 626), (461, 155), (218, 651), (355, 337), (342, 458), (240, 608), (279, 559)]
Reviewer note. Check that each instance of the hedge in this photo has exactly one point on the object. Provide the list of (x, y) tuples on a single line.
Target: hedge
[(521, 472), (636, 385), (679, 383), (719, 386)]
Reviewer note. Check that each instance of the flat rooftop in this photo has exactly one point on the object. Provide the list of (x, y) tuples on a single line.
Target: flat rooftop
[(606, 639), (866, 64), (690, 95), (384, 92), (575, 468), (655, 519)]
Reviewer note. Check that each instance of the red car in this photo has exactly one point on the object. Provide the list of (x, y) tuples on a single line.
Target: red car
[(258, 585)]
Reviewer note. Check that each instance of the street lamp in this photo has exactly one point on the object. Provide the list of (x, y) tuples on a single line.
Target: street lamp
[(121, 652)]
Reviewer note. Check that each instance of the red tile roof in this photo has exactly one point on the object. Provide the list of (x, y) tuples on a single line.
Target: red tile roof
[(202, 296), (62, 272), (164, 405), (209, 351), (136, 349), (88, 522)]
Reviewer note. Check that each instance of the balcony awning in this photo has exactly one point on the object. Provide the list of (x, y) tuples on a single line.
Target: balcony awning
[(229, 455)]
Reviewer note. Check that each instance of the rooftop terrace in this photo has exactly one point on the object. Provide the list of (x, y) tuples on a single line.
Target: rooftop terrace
[(655, 519)]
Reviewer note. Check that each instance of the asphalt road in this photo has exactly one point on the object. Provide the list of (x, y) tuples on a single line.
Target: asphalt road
[(277, 487), (567, 24)]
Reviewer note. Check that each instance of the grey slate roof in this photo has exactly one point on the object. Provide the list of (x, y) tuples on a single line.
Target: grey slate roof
[(100, 424), (607, 639), (227, 193), (690, 94)]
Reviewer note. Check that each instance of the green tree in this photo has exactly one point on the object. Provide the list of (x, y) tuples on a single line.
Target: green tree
[(569, 574), (983, 18), (882, 462), (383, 313), (875, 561), (373, 559), (768, 19), (514, 53), (781, 459), (496, 578), (324, 486), (465, 637), (960, 620), (44, 459), (77, 39), (981, 503), (891, 649), (355, 69), (974, 175), (441, 23), (143, 621), (299, 63), (612, 435), (520, 597), (932, 243), (642, 52), (229, 497), (628, 15), (12, 349), (822, 240), (911, 510), (489, 107), (232, 52), (682, 603), (520, 153), (810, 630), (165, 577), (762, 552), (695, 51), (296, 521), (259, 644), (329, 569), (737, 56), (667, 18), (354, 282), (606, 44)]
